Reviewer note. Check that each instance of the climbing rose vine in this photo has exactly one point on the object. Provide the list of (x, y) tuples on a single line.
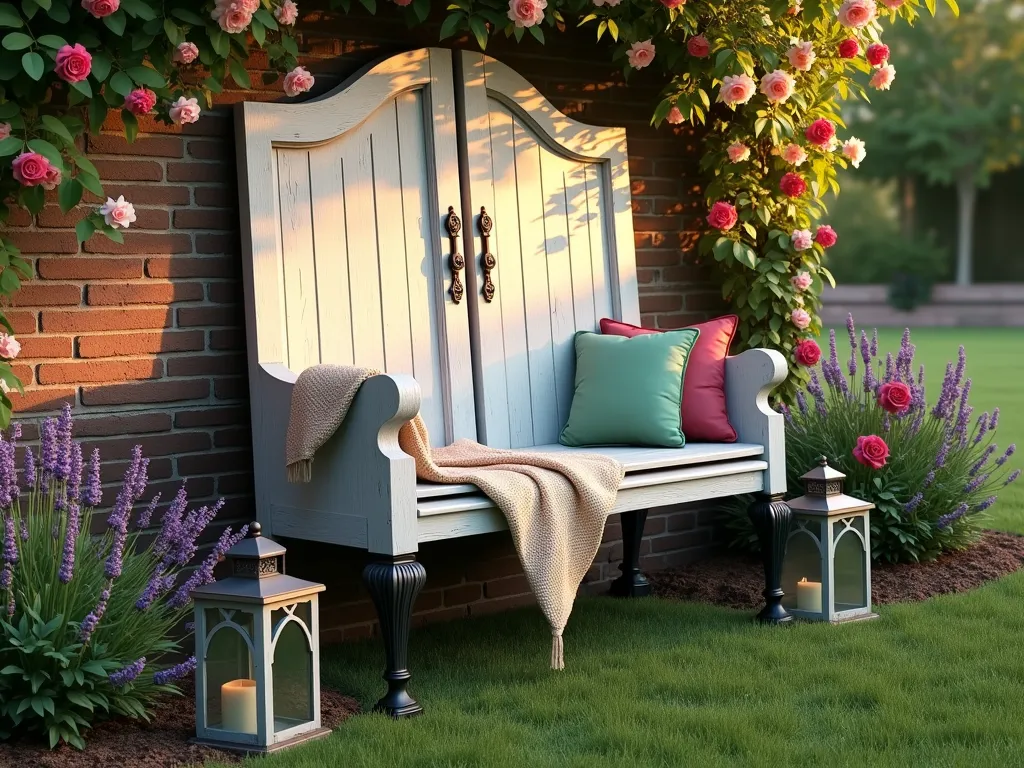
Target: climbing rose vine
[(64, 64)]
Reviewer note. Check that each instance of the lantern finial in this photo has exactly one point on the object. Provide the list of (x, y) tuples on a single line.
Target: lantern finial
[(255, 530), (822, 462)]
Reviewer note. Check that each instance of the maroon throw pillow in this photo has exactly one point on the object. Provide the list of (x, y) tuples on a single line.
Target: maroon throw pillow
[(704, 414)]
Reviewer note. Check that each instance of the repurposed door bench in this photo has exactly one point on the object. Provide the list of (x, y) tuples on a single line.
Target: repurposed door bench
[(353, 207)]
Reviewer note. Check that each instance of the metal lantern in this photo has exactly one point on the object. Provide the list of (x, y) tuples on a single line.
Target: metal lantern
[(827, 572), (258, 653)]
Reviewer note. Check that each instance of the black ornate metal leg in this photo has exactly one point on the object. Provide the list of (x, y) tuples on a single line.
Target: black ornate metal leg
[(772, 519), (632, 583), (393, 584)]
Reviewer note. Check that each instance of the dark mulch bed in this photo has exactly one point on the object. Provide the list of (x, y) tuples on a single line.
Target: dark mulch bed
[(161, 743), (736, 581)]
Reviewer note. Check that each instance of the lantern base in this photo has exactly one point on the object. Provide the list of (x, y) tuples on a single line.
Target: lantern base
[(257, 749), (803, 616)]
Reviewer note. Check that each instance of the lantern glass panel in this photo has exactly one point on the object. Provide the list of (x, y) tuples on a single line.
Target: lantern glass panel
[(228, 658), (850, 564), (803, 560), (293, 667)]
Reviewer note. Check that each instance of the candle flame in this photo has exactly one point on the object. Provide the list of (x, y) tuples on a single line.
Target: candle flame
[(803, 580)]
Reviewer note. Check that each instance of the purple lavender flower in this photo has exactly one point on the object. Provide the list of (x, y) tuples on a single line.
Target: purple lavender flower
[(6, 576), (929, 479), (9, 472), (920, 375), (63, 468), (24, 530), (963, 415), (190, 626), (178, 671), (947, 520), (1012, 449), (75, 477), (983, 460), (940, 460), (976, 483), (160, 583), (204, 573), (801, 403), (865, 350), (10, 544), (126, 674), (120, 514), (911, 505), (11, 605), (851, 366), (890, 368), (1012, 478), (961, 365), (832, 366), (851, 329), (995, 420), (67, 562), (947, 397), (915, 426), (874, 343), (93, 491), (886, 423), (89, 623), (980, 428), (184, 549), (170, 530), (985, 504), (48, 446), (904, 358), (146, 516), (787, 413), (30, 468)]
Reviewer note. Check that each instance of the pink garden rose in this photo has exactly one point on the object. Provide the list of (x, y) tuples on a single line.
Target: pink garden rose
[(738, 152), (801, 318), (802, 240), (722, 216), (871, 451), (807, 352), (526, 13), (826, 237), (53, 178), (853, 150), (849, 48), (820, 132), (736, 89), (894, 397), (778, 86), (673, 3), (801, 56), (286, 13), (675, 117), (801, 281), (31, 169), (118, 213), (9, 346), (140, 101), (403, 3), (184, 111), (893, 4), (640, 54), (5, 130), (877, 54), (794, 154), (73, 63), (883, 77), (857, 13), (792, 185), (233, 17), (698, 47), (101, 8), (186, 53), (299, 80)]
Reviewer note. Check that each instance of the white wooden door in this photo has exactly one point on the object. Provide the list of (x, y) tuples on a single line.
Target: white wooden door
[(346, 198), (557, 192)]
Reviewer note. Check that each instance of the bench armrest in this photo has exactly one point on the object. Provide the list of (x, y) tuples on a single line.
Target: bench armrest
[(749, 378), (359, 474)]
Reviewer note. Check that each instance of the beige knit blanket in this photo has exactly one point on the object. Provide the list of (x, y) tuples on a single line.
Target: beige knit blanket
[(555, 503)]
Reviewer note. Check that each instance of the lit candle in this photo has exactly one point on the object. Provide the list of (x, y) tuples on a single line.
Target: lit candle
[(808, 595), (238, 706)]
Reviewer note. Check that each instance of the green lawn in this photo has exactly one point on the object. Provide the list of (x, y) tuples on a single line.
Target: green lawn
[(654, 683)]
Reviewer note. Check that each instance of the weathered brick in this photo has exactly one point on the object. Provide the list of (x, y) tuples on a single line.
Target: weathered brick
[(224, 292), (209, 365), (217, 243), (84, 268), (143, 293), (42, 295), (23, 322), (40, 347), (206, 316), (221, 172), (661, 303), (464, 593), (231, 338), (216, 197), (235, 484), (683, 320), (144, 194), (45, 242), (202, 149), (129, 170), (113, 471), (233, 388), (211, 417), (149, 146), (122, 424), (42, 399), (114, 345), (145, 218), (147, 392), (99, 370), (205, 219), (220, 461), (232, 438), (155, 445), (510, 585), (105, 320), (181, 266), (140, 242)]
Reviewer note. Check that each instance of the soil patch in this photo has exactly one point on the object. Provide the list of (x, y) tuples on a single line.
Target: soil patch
[(736, 581), (160, 743)]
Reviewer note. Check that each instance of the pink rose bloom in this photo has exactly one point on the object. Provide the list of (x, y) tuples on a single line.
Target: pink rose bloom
[(801, 319), (184, 111), (807, 352), (186, 53), (403, 3), (9, 346), (30, 169), (893, 4), (140, 101), (877, 54), (5, 130), (299, 80), (853, 149), (73, 63), (101, 8), (609, 3), (675, 117), (794, 154), (118, 213), (736, 89), (251, 6), (871, 451), (820, 132), (778, 86), (801, 281), (286, 13), (232, 17), (722, 216), (738, 152), (849, 48), (802, 56), (640, 54), (894, 397), (857, 13), (526, 13), (53, 178), (802, 240), (673, 3), (826, 237), (883, 77), (698, 47), (792, 184)]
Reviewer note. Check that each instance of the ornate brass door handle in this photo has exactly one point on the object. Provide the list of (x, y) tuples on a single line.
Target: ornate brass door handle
[(488, 259), (456, 260)]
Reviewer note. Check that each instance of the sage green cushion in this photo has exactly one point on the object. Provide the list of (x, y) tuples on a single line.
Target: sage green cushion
[(629, 390)]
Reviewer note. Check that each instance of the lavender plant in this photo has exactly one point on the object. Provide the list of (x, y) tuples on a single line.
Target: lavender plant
[(86, 619), (931, 471)]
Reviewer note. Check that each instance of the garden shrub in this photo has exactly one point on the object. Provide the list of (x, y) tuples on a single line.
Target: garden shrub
[(930, 470), (85, 620)]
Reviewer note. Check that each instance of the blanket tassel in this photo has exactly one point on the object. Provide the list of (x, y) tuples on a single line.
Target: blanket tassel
[(301, 471), (557, 651)]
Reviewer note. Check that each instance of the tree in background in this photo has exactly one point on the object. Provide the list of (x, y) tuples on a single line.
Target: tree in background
[(957, 115)]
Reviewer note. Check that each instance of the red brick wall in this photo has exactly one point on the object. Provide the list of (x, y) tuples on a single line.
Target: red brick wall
[(146, 339)]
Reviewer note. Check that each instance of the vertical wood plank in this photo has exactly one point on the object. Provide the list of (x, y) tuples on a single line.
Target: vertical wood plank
[(298, 259), (580, 248), (599, 256)]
